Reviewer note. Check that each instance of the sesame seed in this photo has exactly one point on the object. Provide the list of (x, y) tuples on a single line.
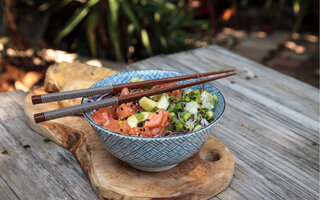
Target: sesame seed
[(168, 117), (140, 129), (121, 129), (157, 113), (144, 129), (121, 108), (147, 119)]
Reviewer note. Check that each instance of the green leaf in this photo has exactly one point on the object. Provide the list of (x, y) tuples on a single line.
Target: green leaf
[(91, 25), (146, 41), (62, 4), (114, 26), (77, 17), (302, 12), (130, 14), (48, 4)]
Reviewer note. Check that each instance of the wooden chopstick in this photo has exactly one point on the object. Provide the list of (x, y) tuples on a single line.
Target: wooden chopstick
[(54, 114), (44, 98)]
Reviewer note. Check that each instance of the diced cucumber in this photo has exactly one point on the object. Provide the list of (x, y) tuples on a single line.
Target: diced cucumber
[(137, 118), (147, 104), (134, 79), (156, 97), (164, 101), (132, 121)]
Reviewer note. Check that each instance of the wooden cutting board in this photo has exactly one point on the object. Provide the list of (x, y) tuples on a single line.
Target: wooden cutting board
[(202, 176)]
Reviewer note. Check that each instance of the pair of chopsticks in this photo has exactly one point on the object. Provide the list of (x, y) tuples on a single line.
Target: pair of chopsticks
[(54, 114)]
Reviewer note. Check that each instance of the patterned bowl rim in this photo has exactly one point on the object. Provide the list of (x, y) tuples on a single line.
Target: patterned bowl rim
[(86, 114)]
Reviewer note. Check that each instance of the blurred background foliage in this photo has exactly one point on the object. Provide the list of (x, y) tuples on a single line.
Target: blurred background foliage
[(129, 30), (281, 34)]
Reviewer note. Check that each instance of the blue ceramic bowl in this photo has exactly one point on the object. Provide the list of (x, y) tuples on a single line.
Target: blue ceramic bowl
[(154, 154)]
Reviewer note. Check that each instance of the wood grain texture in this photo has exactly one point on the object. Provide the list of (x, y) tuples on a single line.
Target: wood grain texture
[(32, 167), (270, 123), (204, 175)]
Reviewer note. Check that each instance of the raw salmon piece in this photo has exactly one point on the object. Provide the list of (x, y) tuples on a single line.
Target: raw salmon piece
[(140, 131), (104, 114), (118, 126), (126, 110), (155, 119)]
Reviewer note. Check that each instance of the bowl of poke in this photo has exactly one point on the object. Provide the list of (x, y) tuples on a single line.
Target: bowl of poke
[(158, 132)]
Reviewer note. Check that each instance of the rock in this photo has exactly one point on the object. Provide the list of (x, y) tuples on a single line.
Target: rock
[(59, 74), (74, 85)]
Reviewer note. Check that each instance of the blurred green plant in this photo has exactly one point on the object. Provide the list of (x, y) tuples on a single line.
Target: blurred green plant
[(129, 29)]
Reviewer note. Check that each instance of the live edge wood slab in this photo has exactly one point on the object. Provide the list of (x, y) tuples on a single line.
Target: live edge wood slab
[(202, 176)]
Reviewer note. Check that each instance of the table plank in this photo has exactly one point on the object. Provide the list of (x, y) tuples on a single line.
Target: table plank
[(269, 124), (30, 166)]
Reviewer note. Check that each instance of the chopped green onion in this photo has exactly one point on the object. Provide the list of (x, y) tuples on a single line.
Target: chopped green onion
[(215, 97), (187, 98), (198, 92), (198, 119), (189, 125), (170, 128), (178, 107), (173, 99), (175, 120), (179, 127), (186, 116), (170, 133), (192, 95), (209, 115), (156, 97), (197, 127), (139, 116), (155, 109), (172, 114), (170, 110), (120, 122)]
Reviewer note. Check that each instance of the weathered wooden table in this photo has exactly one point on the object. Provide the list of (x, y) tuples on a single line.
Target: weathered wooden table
[(271, 125)]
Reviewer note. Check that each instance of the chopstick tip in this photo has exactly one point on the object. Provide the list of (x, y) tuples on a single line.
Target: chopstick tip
[(36, 99), (39, 117)]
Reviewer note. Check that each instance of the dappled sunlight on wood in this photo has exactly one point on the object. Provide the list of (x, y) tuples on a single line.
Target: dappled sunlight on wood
[(259, 34), (94, 62), (234, 32), (293, 46), (57, 55), (311, 38)]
